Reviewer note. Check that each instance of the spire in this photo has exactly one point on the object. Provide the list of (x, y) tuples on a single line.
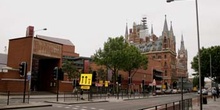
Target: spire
[(126, 32), (165, 27), (182, 47), (171, 32), (171, 28), (152, 31)]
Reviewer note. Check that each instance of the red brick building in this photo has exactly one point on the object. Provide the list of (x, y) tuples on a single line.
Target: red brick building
[(42, 54), (161, 52)]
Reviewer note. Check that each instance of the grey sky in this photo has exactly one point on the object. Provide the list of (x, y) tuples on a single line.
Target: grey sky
[(89, 23)]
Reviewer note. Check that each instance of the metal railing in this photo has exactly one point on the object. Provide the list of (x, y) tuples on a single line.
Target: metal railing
[(175, 105)]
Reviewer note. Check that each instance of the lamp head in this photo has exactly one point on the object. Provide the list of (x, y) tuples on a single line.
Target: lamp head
[(168, 1)]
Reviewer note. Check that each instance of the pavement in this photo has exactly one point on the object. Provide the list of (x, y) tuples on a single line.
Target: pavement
[(50, 99), (211, 104)]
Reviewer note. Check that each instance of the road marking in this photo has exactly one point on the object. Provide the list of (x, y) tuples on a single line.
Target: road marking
[(59, 106), (84, 107)]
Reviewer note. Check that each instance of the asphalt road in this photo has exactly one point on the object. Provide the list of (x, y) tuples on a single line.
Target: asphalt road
[(118, 104)]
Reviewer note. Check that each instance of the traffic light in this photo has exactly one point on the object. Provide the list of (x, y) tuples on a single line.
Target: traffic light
[(55, 73), (142, 82), (129, 80), (119, 79), (22, 68), (94, 76), (75, 83), (60, 74)]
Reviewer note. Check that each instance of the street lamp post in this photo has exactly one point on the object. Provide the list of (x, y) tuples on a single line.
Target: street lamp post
[(199, 67), (31, 59), (32, 50), (211, 68)]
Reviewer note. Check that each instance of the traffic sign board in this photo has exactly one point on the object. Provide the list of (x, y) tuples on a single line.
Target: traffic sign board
[(85, 87), (106, 83), (86, 79)]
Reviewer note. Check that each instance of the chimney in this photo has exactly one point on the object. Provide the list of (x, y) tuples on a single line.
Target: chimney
[(30, 31)]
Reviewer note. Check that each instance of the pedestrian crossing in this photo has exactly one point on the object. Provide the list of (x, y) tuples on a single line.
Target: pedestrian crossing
[(76, 107)]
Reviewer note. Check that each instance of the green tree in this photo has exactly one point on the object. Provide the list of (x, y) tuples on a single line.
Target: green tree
[(196, 81), (102, 74), (205, 63), (133, 60), (69, 68), (111, 56)]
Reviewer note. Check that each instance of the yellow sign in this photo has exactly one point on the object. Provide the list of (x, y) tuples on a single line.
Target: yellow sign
[(85, 87), (85, 79), (101, 82), (106, 83), (164, 86)]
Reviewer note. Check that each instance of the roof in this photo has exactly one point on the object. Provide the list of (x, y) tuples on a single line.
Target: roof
[(150, 46), (58, 40), (3, 60)]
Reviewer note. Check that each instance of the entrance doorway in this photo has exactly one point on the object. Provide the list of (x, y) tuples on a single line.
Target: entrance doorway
[(42, 73)]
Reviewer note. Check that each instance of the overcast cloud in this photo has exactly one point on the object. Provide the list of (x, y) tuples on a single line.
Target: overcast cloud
[(89, 23)]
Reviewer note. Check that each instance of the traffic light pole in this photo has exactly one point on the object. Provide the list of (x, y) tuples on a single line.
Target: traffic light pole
[(57, 83), (57, 89), (25, 79)]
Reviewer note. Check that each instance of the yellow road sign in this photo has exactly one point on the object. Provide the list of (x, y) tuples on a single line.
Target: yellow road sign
[(106, 83), (85, 87), (86, 79)]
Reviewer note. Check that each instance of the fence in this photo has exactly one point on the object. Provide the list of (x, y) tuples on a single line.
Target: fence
[(18, 98), (186, 104)]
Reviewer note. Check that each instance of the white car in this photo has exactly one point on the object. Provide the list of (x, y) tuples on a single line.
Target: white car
[(204, 91), (174, 91)]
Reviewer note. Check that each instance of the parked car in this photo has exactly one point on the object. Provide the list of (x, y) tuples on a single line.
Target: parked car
[(174, 91), (168, 91), (159, 92), (204, 91)]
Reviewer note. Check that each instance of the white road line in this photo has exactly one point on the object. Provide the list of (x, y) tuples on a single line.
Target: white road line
[(59, 106)]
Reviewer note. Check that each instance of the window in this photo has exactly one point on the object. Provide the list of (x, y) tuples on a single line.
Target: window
[(159, 57), (153, 57), (165, 72)]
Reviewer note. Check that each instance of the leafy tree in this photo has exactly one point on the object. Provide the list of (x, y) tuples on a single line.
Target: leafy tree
[(196, 81), (205, 54), (119, 55), (133, 60), (102, 74), (69, 68), (111, 56)]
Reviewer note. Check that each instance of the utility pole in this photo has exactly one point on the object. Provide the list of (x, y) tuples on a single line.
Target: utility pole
[(211, 68)]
